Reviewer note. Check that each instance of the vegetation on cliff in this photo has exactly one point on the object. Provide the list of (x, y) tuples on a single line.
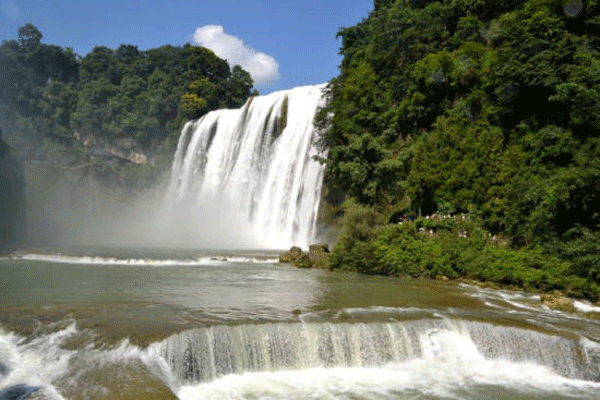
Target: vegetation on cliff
[(88, 112), (485, 108)]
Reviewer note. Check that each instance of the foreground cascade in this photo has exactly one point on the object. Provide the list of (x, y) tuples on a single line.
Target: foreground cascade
[(205, 354), (253, 169)]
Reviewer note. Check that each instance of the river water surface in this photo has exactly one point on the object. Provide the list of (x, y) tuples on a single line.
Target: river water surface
[(97, 323)]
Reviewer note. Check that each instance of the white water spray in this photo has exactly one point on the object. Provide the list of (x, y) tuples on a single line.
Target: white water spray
[(252, 171)]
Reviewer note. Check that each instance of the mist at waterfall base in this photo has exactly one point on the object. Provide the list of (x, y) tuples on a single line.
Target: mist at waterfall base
[(240, 179), (89, 215)]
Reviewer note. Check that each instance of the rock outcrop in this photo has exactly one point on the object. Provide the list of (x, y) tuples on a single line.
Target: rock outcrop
[(317, 256), (291, 256), (127, 149)]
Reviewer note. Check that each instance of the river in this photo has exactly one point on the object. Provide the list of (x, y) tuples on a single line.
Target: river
[(101, 323)]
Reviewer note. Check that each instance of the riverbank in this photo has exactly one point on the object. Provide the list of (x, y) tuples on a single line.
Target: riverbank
[(449, 248)]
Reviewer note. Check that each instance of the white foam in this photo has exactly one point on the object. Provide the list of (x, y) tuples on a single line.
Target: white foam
[(43, 360), (412, 379), (97, 260), (585, 307), (251, 260), (37, 362), (449, 366), (382, 310), (499, 298)]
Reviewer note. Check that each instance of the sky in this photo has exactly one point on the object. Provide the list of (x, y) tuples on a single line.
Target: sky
[(282, 43)]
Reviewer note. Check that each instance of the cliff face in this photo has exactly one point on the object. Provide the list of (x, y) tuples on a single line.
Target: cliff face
[(127, 149), (12, 198)]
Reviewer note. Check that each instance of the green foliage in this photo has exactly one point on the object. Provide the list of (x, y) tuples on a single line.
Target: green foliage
[(482, 107), (192, 106), (365, 160), (47, 92), (29, 36), (456, 163), (465, 251), (148, 95), (238, 87), (436, 224), (354, 249)]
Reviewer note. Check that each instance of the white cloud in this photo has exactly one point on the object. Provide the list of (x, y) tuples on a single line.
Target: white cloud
[(10, 9), (262, 67)]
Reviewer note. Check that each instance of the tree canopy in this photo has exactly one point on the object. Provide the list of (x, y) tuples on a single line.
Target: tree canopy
[(49, 96)]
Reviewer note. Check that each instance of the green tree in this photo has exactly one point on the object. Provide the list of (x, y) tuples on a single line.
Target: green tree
[(29, 36), (238, 87)]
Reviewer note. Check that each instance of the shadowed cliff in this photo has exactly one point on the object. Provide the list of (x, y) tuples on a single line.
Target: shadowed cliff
[(12, 198)]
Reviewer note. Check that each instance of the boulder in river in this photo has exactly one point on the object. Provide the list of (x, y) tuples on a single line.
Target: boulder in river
[(18, 392), (291, 256), (317, 256)]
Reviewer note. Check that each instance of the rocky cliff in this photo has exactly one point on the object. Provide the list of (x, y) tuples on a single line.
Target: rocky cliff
[(12, 198), (127, 149)]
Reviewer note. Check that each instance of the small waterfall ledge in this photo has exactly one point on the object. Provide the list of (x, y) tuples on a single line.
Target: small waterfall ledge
[(205, 354), (252, 171)]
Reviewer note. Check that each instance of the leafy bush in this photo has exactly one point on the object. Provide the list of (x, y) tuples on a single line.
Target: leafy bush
[(464, 251), (354, 249)]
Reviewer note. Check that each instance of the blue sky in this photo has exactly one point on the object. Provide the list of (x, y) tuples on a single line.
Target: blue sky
[(283, 43)]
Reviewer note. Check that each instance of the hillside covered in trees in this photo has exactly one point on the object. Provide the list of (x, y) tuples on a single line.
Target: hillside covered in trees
[(480, 118), (92, 112)]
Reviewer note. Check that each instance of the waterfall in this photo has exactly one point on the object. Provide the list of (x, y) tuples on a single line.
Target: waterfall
[(251, 171), (201, 355)]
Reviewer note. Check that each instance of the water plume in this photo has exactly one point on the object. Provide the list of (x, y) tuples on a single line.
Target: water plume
[(251, 172)]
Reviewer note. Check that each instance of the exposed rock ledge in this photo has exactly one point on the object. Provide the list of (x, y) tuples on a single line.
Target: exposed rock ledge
[(557, 301), (127, 149), (317, 256)]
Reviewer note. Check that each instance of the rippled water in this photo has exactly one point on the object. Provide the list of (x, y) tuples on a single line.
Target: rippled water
[(92, 323)]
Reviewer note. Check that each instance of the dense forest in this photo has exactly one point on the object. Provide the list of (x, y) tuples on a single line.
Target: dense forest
[(465, 138), (112, 111)]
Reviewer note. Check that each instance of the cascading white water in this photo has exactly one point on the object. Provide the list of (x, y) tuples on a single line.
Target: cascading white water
[(252, 170), (205, 354)]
